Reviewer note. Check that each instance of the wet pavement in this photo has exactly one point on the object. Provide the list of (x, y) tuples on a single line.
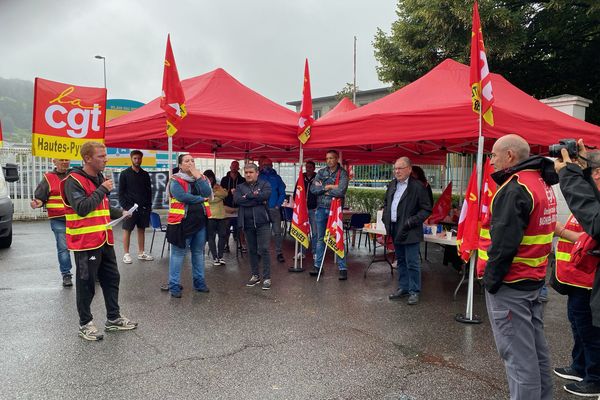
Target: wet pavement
[(299, 340)]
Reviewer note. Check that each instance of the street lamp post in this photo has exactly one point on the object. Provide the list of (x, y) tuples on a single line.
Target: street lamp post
[(104, 65)]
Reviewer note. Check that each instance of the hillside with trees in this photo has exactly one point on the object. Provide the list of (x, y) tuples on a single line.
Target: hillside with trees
[(16, 110)]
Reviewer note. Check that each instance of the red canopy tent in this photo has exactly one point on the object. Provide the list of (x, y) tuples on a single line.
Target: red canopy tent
[(434, 113), (343, 106), (222, 114)]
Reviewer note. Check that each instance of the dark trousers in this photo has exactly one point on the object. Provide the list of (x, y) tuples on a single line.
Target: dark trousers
[(214, 228), (259, 242), (99, 263), (586, 337)]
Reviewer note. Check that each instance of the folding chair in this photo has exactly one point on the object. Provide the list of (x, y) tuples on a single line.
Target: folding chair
[(157, 225), (356, 224)]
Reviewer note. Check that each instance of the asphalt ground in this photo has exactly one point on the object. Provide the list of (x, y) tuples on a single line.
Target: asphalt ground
[(300, 340)]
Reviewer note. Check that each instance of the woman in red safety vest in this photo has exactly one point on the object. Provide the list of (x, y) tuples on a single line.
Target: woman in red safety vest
[(189, 189)]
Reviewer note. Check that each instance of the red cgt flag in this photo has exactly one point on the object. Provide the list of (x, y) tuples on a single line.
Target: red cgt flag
[(467, 237), (1, 140), (306, 113), (488, 190), (300, 226), (334, 233), (442, 206), (480, 79), (172, 98)]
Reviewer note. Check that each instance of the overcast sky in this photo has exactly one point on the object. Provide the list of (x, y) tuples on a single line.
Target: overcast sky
[(262, 43)]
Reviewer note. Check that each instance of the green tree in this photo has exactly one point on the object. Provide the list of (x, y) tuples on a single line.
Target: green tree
[(544, 47), (347, 91)]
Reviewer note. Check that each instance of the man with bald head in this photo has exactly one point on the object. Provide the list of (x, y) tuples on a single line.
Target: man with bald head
[(515, 241)]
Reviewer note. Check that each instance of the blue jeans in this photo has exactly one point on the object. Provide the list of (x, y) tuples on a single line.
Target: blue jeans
[(59, 227), (259, 242), (409, 267), (312, 220), (196, 243), (321, 216), (586, 337)]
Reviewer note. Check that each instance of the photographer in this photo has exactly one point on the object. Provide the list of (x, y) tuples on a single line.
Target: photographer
[(579, 182)]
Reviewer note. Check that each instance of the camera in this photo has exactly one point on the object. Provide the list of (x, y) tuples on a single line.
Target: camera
[(569, 144)]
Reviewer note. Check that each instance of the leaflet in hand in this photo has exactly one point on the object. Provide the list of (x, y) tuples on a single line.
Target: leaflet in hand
[(129, 212)]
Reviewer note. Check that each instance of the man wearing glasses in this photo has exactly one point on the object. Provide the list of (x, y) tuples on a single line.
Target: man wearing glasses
[(405, 207)]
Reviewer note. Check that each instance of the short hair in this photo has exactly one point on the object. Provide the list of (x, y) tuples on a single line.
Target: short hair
[(89, 148), (251, 165), (311, 163), (405, 160), (136, 153), (337, 155), (515, 143)]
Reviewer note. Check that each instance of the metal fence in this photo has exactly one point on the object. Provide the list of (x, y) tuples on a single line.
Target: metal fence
[(31, 171)]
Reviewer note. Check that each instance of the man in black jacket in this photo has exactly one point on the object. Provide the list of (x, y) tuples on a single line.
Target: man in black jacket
[(253, 218), (579, 181), (405, 207), (229, 183), (523, 218)]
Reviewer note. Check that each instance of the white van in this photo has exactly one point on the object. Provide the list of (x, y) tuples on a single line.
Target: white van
[(8, 173)]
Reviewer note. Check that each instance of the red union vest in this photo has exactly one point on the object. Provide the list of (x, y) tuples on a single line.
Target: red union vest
[(176, 207), (54, 205), (90, 231), (532, 255), (565, 271)]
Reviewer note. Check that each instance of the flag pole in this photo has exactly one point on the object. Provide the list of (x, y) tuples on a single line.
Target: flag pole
[(468, 317), (296, 267), (324, 254)]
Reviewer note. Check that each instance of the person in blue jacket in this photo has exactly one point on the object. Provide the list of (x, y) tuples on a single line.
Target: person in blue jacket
[(276, 199)]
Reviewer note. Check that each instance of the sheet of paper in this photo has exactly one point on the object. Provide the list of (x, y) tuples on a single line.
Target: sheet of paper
[(116, 221)]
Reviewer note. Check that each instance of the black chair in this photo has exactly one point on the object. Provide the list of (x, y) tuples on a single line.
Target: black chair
[(355, 225), (157, 225)]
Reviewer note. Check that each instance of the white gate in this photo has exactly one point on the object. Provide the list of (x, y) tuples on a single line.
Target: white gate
[(31, 170)]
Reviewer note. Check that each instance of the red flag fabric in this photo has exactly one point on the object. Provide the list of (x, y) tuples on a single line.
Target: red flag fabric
[(172, 98), (488, 190), (480, 78), (442, 206), (467, 237), (334, 233), (306, 113), (1, 140), (300, 226)]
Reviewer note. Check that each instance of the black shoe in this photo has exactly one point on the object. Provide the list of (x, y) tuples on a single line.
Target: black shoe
[(584, 388), (203, 289), (398, 294), (568, 373), (67, 281), (177, 295), (243, 250), (413, 299), (226, 249), (314, 271), (343, 274), (280, 258)]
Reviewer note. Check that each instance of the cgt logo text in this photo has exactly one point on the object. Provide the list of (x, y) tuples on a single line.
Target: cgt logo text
[(79, 119)]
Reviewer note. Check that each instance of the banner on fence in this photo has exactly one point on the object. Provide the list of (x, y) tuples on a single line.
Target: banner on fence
[(65, 117)]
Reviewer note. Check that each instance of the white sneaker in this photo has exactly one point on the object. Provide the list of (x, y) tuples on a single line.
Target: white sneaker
[(145, 257), (127, 258), (216, 262), (222, 261)]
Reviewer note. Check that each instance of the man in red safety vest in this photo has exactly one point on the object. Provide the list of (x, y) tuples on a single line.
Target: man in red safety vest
[(47, 193), (87, 210), (519, 232)]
